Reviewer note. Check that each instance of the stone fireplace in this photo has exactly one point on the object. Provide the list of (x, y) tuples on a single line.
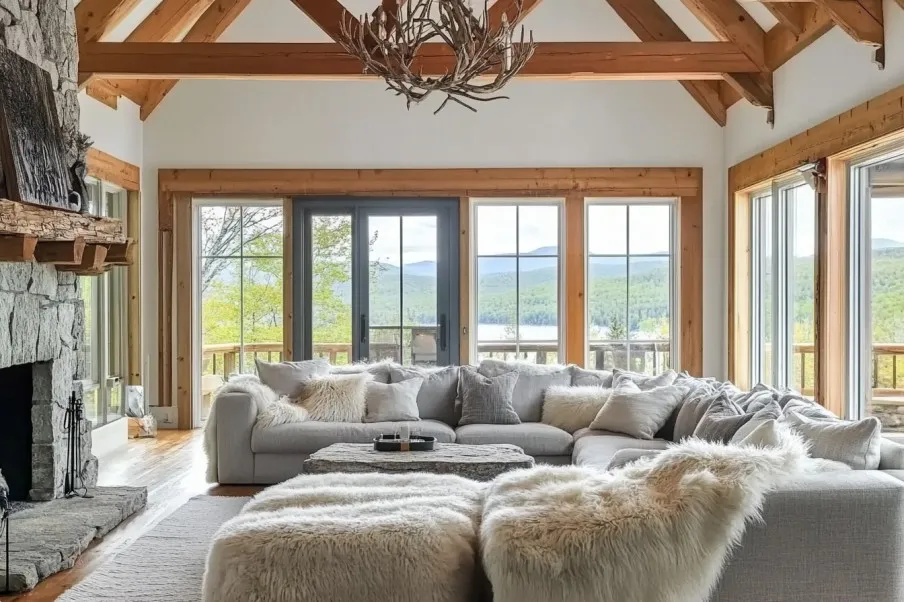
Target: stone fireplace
[(41, 333), (42, 316)]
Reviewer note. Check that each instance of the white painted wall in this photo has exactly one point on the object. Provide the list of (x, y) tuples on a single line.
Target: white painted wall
[(831, 76), (114, 131), (359, 125)]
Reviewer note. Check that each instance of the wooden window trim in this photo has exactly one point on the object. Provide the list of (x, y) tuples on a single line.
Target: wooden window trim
[(831, 145), (177, 188)]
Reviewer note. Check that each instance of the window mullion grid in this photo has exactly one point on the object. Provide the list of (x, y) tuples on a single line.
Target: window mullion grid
[(779, 288), (401, 291), (756, 328)]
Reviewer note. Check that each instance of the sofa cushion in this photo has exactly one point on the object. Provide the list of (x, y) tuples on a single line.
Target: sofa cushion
[(533, 380), (379, 370), (436, 399), (591, 378), (573, 408), (623, 457), (308, 437), (722, 420), (638, 413), (644, 381), (394, 402), (535, 438), (597, 448), (855, 443), (288, 378)]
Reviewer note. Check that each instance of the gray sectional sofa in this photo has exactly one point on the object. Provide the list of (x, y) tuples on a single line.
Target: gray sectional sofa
[(827, 537)]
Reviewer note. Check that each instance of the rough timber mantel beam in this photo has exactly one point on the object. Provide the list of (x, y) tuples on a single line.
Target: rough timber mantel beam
[(552, 60)]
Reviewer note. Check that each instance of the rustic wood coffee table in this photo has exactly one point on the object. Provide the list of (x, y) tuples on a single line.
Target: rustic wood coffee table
[(479, 462)]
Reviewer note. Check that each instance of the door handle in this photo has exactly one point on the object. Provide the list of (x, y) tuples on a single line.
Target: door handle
[(363, 329), (442, 332)]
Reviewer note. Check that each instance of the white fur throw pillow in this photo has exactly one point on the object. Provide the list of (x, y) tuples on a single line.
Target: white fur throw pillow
[(573, 408), (336, 397)]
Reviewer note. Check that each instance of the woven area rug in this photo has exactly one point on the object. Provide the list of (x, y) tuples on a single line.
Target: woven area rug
[(166, 564)]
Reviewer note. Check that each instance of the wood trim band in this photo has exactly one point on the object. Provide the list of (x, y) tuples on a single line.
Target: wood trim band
[(184, 301), (575, 281), (108, 168), (691, 278)]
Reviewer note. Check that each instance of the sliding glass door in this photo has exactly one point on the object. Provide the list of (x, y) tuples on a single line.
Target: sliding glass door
[(378, 280)]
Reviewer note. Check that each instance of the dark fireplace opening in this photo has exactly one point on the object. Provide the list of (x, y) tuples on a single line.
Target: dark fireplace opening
[(16, 429)]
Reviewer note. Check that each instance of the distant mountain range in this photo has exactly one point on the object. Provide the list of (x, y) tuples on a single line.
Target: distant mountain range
[(886, 243)]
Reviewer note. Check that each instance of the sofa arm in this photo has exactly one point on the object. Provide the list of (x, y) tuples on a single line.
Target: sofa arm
[(235, 415), (831, 537), (892, 455)]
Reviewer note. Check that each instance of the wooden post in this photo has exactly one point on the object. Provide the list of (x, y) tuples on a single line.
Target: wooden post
[(575, 282)]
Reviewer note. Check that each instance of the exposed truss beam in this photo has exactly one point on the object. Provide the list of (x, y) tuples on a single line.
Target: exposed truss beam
[(731, 23), (165, 23), (208, 28), (509, 8), (95, 18), (789, 14), (861, 19), (782, 44), (552, 60), (652, 24), (327, 14)]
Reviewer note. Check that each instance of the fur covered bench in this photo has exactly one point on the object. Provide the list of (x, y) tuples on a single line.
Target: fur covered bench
[(338, 537)]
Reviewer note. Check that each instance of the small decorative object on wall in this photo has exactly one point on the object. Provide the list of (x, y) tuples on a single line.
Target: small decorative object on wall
[(32, 157), (445, 39)]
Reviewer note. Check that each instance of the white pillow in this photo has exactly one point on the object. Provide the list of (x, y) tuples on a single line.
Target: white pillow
[(392, 403), (766, 433), (288, 378), (336, 397), (855, 443), (573, 408), (637, 413)]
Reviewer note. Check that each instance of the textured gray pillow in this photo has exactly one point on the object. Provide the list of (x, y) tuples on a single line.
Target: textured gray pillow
[(487, 399), (637, 413), (771, 411), (288, 378), (721, 421), (644, 381), (691, 413), (392, 403), (591, 378), (436, 399), (791, 402), (532, 382), (856, 443)]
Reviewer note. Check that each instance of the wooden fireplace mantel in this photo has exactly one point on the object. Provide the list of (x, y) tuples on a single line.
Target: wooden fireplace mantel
[(74, 242)]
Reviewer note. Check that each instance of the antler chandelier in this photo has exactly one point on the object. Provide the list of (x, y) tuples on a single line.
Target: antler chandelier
[(392, 46)]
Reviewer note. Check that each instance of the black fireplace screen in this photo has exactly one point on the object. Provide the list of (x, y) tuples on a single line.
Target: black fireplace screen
[(16, 429)]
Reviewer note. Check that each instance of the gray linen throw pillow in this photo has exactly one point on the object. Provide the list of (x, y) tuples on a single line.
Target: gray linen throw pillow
[(436, 399), (722, 420), (855, 443), (289, 378), (637, 413), (532, 382), (392, 403), (485, 399), (691, 413)]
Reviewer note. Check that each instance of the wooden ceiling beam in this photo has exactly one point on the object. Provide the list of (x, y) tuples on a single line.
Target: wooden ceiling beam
[(552, 60), (863, 20), (208, 28), (729, 22), (328, 15), (652, 24), (782, 44), (789, 14), (509, 8), (166, 23), (95, 18)]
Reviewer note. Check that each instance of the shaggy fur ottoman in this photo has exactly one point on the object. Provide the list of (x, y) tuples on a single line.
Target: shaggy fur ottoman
[(351, 538)]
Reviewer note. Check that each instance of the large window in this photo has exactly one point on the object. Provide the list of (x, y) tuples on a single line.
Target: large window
[(877, 289), (240, 288), (631, 284), (105, 319), (518, 280), (378, 280), (783, 273)]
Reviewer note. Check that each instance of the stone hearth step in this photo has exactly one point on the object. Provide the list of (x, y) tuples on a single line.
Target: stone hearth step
[(48, 537)]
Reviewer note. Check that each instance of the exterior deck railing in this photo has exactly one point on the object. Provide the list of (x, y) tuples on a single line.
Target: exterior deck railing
[(645, 356)]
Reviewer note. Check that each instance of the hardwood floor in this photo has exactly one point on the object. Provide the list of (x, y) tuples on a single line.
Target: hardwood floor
[(171, 467)]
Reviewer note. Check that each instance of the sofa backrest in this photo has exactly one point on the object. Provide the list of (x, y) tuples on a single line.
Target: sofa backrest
[(533, 380)]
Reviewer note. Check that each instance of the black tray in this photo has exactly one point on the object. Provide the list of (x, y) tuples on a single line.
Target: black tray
[(390, 443)]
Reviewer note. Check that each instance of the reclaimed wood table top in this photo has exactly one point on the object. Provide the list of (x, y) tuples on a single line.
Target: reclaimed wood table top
[(481, 462)]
